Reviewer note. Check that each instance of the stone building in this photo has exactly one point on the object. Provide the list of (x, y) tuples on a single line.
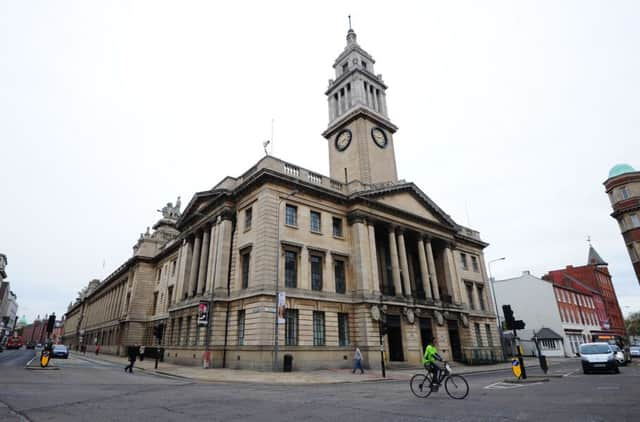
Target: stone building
[(623, 188), (348, 251)]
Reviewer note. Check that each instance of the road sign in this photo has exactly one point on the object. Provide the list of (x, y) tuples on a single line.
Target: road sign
[(515, 367)]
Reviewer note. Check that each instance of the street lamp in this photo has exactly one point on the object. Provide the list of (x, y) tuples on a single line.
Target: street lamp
[(276, 347), (493, 292)]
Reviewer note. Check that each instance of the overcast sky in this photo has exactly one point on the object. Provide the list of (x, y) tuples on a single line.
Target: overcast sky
[(510, 114)]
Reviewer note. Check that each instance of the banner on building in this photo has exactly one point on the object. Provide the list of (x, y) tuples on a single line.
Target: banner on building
[(203, 313), (282, 306)]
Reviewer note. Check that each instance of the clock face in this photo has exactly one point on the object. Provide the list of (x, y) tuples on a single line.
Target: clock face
[(343, 139), (379, 137)]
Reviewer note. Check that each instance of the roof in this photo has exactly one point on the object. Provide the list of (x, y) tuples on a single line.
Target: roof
[(594, 258), (547, 334), (619, 169)]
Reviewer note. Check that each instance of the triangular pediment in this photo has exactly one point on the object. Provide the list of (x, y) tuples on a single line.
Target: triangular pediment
[(410, 199)]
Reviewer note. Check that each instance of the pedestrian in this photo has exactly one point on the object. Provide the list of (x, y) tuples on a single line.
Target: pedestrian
[(141, 353), (357, 361), (97, 349), (132, 353)]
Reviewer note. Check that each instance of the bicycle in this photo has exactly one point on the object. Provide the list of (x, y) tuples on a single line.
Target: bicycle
[(455, 385)]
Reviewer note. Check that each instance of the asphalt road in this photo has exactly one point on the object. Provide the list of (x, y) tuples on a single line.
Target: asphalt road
[(85, 390)]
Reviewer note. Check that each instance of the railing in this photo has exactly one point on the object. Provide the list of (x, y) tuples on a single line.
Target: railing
[(482, 356), (314, 178), (291, 170)]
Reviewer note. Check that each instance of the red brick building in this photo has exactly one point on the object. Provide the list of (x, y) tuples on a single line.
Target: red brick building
[(586, 292), (37, 331)]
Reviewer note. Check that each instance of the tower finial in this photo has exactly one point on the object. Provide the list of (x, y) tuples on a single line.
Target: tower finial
[(349, 22), (589, 240)]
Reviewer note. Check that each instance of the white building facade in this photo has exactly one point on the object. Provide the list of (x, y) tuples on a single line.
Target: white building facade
[(534, 302)]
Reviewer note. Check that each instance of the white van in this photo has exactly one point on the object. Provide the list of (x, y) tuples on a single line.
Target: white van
[(598, 356)]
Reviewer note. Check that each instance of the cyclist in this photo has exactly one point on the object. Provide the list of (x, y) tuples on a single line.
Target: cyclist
[(429, 361)]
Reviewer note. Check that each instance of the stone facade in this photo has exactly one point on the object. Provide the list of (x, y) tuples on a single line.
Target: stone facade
[(623, 188), (347, 251)]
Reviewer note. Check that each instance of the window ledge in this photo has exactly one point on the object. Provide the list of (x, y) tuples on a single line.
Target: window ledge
[(291, 226)]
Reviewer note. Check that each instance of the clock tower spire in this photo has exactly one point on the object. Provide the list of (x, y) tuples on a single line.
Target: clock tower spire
[(360, 133)]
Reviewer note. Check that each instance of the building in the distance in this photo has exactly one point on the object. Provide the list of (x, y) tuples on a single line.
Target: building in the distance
[(587, 301), (344, 252), (623, 188), (8, 303), (532, 300)]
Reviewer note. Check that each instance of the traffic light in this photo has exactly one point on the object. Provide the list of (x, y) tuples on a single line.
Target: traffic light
[(508, 316), (51, 323), (158, 330)]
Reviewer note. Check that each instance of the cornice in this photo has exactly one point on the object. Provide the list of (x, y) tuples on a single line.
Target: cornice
[(357, 112)]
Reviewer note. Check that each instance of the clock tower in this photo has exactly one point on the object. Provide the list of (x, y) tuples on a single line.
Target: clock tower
[(360, 133)]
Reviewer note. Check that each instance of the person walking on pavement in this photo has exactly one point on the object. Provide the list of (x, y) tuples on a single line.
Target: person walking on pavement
[(357, 358), (141, 353), (429, 361), (132, 353)]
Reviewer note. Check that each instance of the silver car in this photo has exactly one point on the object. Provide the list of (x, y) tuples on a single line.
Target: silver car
[(634, 351), (598, 356)]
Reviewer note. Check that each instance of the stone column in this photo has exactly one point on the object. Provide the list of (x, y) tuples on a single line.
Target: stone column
[(450, 273), (204, 257), (424, 274), (328, 275), (223, 256), (182, 284), (433, 277), (362, 262), (195, 261), (404, 264), (395, 266), (375, 276), (213, 247), (476, 298)]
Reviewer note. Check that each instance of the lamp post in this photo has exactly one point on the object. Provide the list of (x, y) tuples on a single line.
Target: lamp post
[(276, 346), (495, 302)]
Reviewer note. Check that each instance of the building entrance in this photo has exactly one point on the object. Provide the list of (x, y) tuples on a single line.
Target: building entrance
[(394, 336), (454, 340), (426, 332)]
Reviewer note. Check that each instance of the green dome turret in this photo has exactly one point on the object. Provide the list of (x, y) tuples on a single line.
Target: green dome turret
[(619, 169)]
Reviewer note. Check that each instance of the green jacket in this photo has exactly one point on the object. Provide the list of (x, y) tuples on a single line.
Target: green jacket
[(430, 355)]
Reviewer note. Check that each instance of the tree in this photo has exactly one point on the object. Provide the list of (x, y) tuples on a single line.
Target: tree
[(632, 324)]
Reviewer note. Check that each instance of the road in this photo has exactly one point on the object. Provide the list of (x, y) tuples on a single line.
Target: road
[(87, 390)]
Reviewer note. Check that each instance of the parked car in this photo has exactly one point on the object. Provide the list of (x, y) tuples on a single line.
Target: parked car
[(598, 356), (619, 354), (60, 351), (31, 345), (634, 351)]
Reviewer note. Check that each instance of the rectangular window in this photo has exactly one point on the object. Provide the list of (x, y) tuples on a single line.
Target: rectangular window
[(246, 259), (632, 253), (318, 328), (474, 263), (364, 64), (172, 332), (155, 303), (179, 339), (173, 267), (635, 220), (316, 272), (345, 67), (339, 273), (337, 227), (314, 222), (470, 295), (291, 327), (248, 217), (343, 329), (169, 295), (487, 328), (463, 259), (624, 193), (481, 303), (241, 327), (291, 215), (478, 334), (290, 269), (187, 335)]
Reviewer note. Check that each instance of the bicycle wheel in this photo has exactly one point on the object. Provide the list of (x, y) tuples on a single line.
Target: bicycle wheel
[(421, 385), (456, 387)]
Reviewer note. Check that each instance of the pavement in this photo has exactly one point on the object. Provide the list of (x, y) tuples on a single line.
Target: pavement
[(326, 376)]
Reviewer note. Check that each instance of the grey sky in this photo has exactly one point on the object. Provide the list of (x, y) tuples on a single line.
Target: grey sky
[(510, 116)]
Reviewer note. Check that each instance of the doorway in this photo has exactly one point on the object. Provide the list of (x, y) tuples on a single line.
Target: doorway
[(394, 336), (454, 339), (426, 332)]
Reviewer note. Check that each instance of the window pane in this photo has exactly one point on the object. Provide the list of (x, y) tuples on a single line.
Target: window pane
[(316, 272), (241, 327), (291, 327), (489, 337), (245, 270), (478, 335), (463, 259), (248, 217), (343, 329), (474, 263), (290, 269), (318, 328), (341, 285), (470, 295), (315, 222), (481, 298), (291, 217), (337, 227)]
